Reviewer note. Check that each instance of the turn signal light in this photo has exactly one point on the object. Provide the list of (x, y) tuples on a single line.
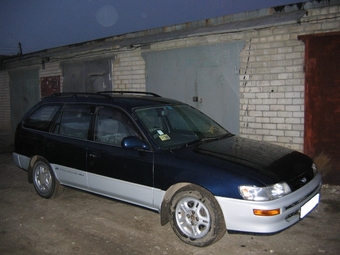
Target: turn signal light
[(273, 212)]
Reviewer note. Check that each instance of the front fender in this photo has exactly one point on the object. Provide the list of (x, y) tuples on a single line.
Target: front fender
[(165, 207)]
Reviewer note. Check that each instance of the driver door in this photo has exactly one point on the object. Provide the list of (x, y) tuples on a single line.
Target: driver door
[(114, 171)]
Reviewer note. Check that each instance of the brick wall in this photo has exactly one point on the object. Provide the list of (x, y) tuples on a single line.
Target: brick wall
[(272, 78), (129, 71)]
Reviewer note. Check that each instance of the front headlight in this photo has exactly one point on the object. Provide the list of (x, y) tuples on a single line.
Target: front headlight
[(264, 193)]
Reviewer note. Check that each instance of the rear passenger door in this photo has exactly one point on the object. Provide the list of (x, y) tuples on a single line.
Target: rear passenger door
[(115, 171), (66, 145)]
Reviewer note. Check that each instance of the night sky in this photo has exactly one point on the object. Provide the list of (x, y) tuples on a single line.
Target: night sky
[(44, 24)]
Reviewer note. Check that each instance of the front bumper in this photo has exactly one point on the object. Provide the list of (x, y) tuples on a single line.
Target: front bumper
[(239, 216)]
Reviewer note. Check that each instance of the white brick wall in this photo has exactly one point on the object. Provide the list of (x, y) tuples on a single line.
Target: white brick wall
[(129, 71), (51, 69), (272, 95)]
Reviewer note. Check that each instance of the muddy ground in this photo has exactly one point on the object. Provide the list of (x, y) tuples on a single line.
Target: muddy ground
[(81, 223)]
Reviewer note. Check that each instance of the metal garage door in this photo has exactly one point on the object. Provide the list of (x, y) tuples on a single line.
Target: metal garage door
[(206, 77), (322, 100), (87, 75), (25, 93)]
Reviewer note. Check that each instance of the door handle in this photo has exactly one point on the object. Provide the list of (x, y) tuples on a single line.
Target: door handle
[(50, 145), (94, 155)]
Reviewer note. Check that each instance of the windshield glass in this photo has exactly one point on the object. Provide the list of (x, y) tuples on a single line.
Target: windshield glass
[(178, 125)]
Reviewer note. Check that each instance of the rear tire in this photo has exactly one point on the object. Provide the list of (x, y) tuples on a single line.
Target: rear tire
[(44, 181), (196, 217)]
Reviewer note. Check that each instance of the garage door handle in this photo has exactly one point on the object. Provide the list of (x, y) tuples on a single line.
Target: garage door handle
[(196, 99)]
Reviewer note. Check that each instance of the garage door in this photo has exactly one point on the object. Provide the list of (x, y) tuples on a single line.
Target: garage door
[(322, 100), (205, 77), (24, 93), (87, 76)]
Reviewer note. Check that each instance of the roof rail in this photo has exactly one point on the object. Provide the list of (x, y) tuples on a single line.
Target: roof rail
[(129, 92), (80, 94)]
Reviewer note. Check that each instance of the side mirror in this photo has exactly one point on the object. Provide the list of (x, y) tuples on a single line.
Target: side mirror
[(133, 142)]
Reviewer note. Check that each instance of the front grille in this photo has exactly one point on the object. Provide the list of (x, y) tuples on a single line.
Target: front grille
[(301, 180), (293, 214), (302, 199)]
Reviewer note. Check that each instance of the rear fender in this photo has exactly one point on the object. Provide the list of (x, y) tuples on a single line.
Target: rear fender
[(30, 167)]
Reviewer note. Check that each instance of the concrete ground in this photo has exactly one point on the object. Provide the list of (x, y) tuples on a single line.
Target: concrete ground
[(81, 223)]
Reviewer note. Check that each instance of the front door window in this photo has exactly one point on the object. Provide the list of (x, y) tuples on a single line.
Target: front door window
[(112, 126)]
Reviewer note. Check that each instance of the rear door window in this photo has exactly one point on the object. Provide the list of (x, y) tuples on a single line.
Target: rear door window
[(41, 119), (74, 121)]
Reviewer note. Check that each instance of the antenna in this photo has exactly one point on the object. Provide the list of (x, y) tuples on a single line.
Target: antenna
[(20, 49)]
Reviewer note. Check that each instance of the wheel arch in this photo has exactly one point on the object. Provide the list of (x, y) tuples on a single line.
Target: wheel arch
[(31, 165), (215, 226), (168, 196), (56, 188), (167, 199)]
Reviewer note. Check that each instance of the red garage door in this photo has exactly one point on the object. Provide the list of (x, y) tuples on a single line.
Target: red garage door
[(322, 101)]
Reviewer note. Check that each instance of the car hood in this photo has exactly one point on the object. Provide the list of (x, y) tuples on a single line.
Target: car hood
[(277, 162)]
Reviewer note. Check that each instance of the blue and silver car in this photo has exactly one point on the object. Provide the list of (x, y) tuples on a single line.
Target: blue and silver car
[(166, 156)]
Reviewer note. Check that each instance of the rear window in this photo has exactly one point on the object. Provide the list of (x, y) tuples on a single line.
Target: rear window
[(41, 119), (74, 121)]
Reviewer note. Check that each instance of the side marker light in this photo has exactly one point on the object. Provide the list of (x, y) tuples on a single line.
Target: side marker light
[(259, 212)]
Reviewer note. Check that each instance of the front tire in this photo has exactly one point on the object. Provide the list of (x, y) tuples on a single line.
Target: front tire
[(44, 181), (196, 217)]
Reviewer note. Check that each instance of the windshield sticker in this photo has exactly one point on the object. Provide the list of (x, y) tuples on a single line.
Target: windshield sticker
[(160, 132), (164, 137)]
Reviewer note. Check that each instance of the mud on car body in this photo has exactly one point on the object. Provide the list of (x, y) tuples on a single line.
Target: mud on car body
[(167, 156)]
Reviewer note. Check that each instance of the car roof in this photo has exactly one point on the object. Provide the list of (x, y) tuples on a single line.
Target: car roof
[(126, 100)]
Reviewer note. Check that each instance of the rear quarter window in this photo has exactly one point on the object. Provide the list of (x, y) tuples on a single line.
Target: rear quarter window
[(41, 119)]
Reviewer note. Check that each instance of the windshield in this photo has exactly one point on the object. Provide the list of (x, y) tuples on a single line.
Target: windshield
[(178, 125)]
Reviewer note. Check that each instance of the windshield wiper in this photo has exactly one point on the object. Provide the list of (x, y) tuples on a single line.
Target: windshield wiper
[(225, 136), (200, 140), (216, 137), (206, 139), (209, 139), (192, 142)]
